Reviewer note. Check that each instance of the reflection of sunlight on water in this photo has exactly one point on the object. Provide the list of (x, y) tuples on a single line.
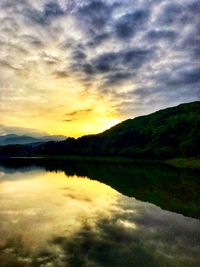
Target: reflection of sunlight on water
[(34, 210), (50, 219), (128, 224)]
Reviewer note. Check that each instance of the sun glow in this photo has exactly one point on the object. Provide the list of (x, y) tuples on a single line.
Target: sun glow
[(113, 122), (57, 105)]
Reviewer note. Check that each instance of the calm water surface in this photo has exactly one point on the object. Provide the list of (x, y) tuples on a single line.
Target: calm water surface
[(50, 218)]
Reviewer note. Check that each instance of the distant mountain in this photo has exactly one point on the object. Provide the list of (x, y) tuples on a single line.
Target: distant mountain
[(53, 138), (13, 139), (168, 133)]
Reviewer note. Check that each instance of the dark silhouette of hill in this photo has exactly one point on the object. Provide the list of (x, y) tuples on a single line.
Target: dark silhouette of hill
[(14, 139), (168, 133)]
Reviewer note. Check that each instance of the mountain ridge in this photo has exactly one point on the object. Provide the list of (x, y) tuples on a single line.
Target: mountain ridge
[(15, 139), (168, 133)]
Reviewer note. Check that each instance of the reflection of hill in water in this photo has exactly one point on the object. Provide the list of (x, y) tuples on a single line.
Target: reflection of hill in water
[(50, 219), (168, 187)]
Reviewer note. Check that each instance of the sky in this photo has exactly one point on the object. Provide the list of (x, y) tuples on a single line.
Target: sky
[(79, 67)]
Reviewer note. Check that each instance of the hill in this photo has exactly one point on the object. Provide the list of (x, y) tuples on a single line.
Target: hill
[(168, 133), (14, 139)]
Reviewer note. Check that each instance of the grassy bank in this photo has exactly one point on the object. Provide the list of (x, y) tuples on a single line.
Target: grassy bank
[(189, 163)]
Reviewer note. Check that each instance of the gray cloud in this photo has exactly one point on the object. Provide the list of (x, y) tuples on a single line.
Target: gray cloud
[(94, 15), (186, 77), (150, 49), (50, 11), (132, 233), (77, 114), (119, 65), (60, 74), (172, 13), (5, 129), (32, 40), (156, 35), (127, 25), (98, 39)]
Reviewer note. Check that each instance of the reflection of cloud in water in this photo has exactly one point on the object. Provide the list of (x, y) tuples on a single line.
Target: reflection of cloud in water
[(147, 237), (2, 174), (53, 220), (35, 210)]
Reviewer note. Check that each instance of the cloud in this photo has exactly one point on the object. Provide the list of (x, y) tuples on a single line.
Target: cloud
[(112, 48), (172, 13), (77, 114), (156, 35), (186, 77), (127, 25), (49, 59), (132, 233), (78, 54), (32, 40), (49, 11), (5, 63), (119, 64), (5, 129), (60, 74), (94, 15), (98, 39)]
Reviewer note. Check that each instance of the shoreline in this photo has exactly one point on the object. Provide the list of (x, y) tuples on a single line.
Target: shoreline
[(183, 163)]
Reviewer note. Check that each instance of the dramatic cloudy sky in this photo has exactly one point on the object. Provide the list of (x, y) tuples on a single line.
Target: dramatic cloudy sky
[(78, 67)]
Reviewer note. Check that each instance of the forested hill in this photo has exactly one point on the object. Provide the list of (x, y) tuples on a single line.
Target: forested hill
[(169, 132), (172, 132)]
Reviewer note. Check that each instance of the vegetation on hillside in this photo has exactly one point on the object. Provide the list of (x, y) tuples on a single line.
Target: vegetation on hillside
[(169, 133)]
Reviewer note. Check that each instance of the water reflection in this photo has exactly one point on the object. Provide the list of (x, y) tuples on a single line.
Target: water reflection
[(170, 188), (50, 219)]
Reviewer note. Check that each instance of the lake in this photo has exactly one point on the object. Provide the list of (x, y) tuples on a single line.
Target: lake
[(68, 213)]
